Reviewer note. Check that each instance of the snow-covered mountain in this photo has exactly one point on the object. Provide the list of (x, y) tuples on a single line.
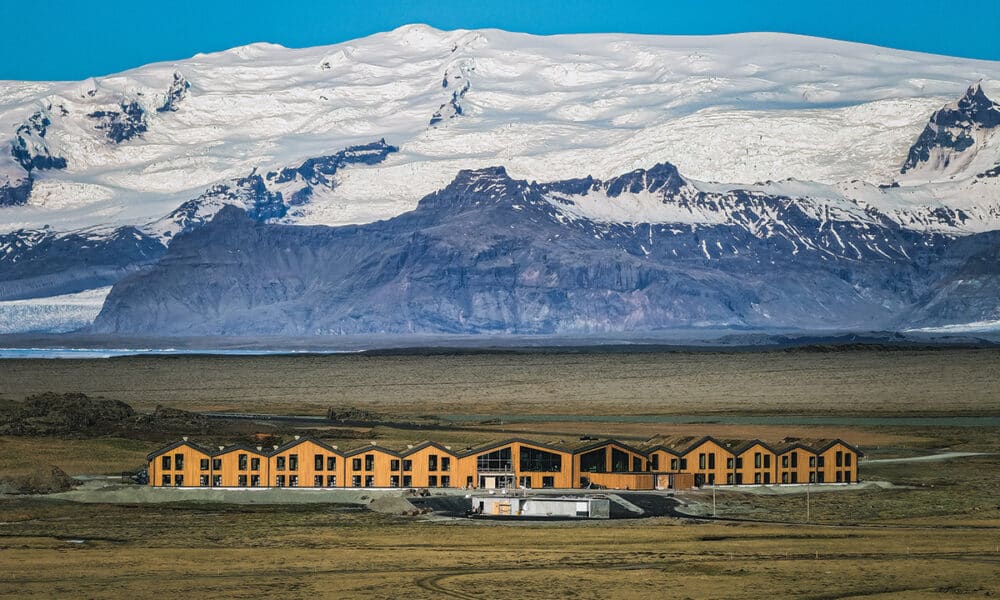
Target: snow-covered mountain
[(843, 152)]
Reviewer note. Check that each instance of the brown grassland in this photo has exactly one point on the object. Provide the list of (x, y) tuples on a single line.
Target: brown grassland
[(937, 535)]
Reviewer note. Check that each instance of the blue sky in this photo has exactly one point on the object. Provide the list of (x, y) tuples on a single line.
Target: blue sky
[(73, 39)]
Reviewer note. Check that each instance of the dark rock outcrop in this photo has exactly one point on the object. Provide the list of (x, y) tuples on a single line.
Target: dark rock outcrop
[(952, 128)]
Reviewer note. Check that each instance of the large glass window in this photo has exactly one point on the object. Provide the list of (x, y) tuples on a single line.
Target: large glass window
[(217, 463), (293, 462), (179, 461), (619, 461), (318, 463), (540, 461), (446, 463), (243, 462), (279, 463), (432, 462), (331, 463), (498, 460), (594, 461), (355, 465), (255, 464), (203, 464), (394, 465), (165, 462), (178, 480), (369, 462), (241, 480), (407, 464)]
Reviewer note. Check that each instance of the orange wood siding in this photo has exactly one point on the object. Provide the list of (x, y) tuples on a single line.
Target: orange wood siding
[(623, 481), (793, 465), (381, 473), (305, 472), (421, 473), (711, 461), (834, 473), (752, 473), (188, 471)]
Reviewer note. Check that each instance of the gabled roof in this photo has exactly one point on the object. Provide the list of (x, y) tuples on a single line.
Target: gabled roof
[(370, 448), (428, 444), (304, 439), (176, 445), (243, 447), (500, 444), (593, 445)]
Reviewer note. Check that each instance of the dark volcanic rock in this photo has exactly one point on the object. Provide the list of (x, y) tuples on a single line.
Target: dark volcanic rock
[(36, 263), (64, 414), (490, 254), (952, 128), (177, 92), (121, 125)]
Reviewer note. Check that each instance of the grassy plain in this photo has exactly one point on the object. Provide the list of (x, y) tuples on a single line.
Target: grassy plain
[(939, 536)]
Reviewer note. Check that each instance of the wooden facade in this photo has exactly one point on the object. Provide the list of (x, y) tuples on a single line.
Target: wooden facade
[(658, 464)]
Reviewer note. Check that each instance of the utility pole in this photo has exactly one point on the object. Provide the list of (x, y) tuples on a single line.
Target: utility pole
[(807, 502), (713, 501)]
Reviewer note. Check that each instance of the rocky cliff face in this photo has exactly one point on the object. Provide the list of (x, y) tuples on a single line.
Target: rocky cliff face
[(490, 254)]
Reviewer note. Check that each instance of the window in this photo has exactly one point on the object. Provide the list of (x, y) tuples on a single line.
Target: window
[(795, 460), (394, 481), (355, 480), (636, 464), (407, 480), (216, 464), (178, 480), (445, 463), (820, 461), (684, 464), (757, 460), (331, 463), (243, 462), (293, 481), (784, 461), (756, 478), (203, 464), (730, 462), (317, 463), (729, 479), (655, 462), (847, 459), (784, 477), (498, 460), (739, 462), (432, 481), (279, 481), (795, 477), (812, 478), (711, 479), (394, 464), (767, 461), (179, 461), (619, 461), (821, 476), (445, 481), (812, 462), (432, 462), (165, 481), (331, 481), (255, 464), (548, 481), (674, 464), (468, 481), (840, 458), (318, 479), (711, 460), (203, 480), (293, 462), (279, 463), (355, 464), (369, 462), (407, 465), (767, 478), (524, 481), (216, 480), (739, 479), (847, 477), (369, 481), (255, 481), (840, 476), (533, 460), (241, 480), (165, 462)]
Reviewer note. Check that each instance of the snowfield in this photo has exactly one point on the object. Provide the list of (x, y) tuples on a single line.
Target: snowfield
[(738, 108)]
